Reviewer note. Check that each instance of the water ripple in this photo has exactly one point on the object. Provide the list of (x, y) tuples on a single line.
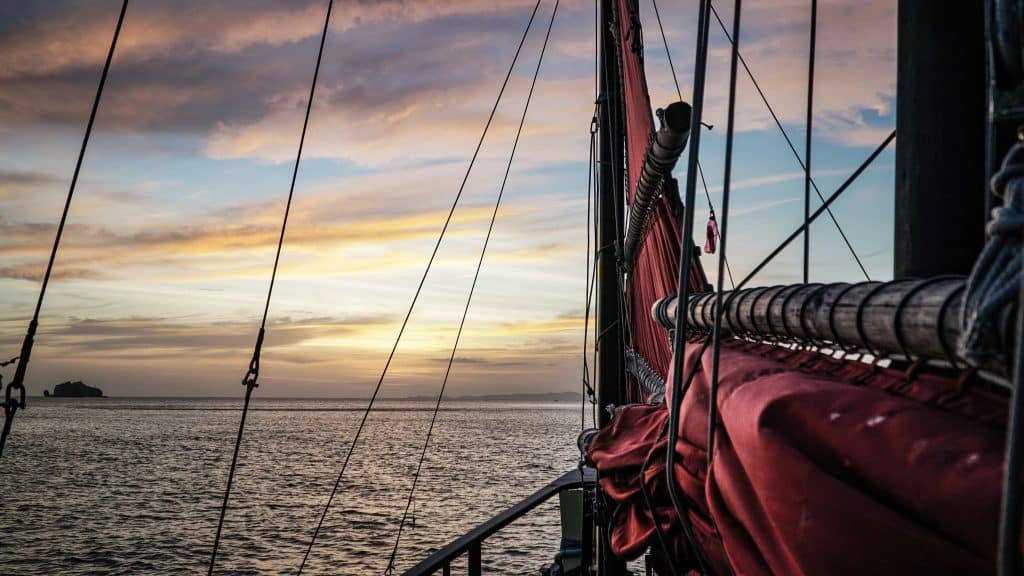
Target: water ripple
[(133, 486)]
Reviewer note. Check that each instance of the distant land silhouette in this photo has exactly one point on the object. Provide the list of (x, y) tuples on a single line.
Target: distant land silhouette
[(76, 389)]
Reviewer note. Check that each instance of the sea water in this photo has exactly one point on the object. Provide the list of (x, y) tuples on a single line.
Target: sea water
[(134, 486)]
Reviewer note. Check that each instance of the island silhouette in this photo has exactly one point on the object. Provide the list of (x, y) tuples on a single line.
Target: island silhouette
[(76, 389)]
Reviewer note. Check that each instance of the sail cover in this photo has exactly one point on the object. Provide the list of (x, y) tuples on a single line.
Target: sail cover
[(820, 466)]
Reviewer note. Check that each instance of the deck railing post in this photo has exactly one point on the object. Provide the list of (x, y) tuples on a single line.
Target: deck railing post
[(475, 563)]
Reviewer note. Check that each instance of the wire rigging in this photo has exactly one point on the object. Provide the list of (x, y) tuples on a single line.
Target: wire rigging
[(716, 334), (679, 94), (809, 136), (685, 263), (821, 209), (416, 295), (587, 391), (250, 380), (469, 298), (789, 142), (17, 384)]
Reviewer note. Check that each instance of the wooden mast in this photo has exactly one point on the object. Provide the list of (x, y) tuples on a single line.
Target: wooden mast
[(610, 362), (940, 146), (610, 206)]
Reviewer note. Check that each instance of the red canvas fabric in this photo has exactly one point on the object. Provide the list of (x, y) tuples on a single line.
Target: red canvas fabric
[(820, 467), (655, 272)]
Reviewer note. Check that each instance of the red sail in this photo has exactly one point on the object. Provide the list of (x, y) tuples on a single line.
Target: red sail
[(655, 273), (820, 466)]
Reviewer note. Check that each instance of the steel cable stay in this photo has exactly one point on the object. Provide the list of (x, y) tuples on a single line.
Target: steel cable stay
[(809, 134), (789, 142), (590, 280), (593, 253), (251, 378), (419, 289), (685, 263), (820, 210), (17, 384), (683, 288), (716, 334), (469, 297)]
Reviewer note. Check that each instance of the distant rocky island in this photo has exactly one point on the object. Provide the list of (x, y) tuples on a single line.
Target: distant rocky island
[(76, 389)]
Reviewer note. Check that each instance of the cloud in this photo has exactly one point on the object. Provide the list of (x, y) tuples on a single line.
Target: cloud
[(309, 355), (34, 273), (855, 68), (211, 96)]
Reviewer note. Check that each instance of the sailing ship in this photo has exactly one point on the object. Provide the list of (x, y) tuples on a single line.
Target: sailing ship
[(865, 427), (843, 428)]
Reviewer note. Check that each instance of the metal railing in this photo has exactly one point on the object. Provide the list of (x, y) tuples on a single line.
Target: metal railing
[(470, 542)]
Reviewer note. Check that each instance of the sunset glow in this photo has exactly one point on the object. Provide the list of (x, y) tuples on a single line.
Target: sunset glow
[(161, 275)]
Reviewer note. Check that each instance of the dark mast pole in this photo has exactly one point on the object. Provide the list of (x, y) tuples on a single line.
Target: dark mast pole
[(610, 385), (610, 352), (940, 137)]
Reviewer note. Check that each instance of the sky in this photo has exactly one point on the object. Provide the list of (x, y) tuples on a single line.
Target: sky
[(159, 283)]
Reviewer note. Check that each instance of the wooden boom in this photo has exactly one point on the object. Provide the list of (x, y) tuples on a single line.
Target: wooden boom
[(913, 319), (662, 153)]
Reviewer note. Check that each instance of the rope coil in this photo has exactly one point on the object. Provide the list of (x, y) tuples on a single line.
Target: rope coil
[(994, 283)]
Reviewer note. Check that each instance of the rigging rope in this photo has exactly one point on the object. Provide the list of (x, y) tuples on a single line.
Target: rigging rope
[(685, 263), (589, 280), (416, 295), (17, 384), (469, 298), (821, 209), (620, 178), (679, 94), (789, 142), (250, 380), (809, 135), (716, 334)]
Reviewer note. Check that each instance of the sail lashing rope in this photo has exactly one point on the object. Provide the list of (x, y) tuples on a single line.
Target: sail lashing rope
[(16, 386), (646, 377), (469, 297), (251, 378), (415, 298)]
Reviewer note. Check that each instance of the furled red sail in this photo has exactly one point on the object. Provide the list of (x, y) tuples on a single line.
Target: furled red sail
[(655, 272), (820, 466)]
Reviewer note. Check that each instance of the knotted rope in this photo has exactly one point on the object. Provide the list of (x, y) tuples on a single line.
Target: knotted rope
[(995, 279)]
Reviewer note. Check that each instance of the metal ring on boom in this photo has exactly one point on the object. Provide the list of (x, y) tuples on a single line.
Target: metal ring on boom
[(785, 325), (753, 307), (898, 320), (803, 308), (859, 318), (832, 316)]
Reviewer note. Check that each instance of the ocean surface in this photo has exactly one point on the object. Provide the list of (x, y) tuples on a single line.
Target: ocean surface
[(133, 486)]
